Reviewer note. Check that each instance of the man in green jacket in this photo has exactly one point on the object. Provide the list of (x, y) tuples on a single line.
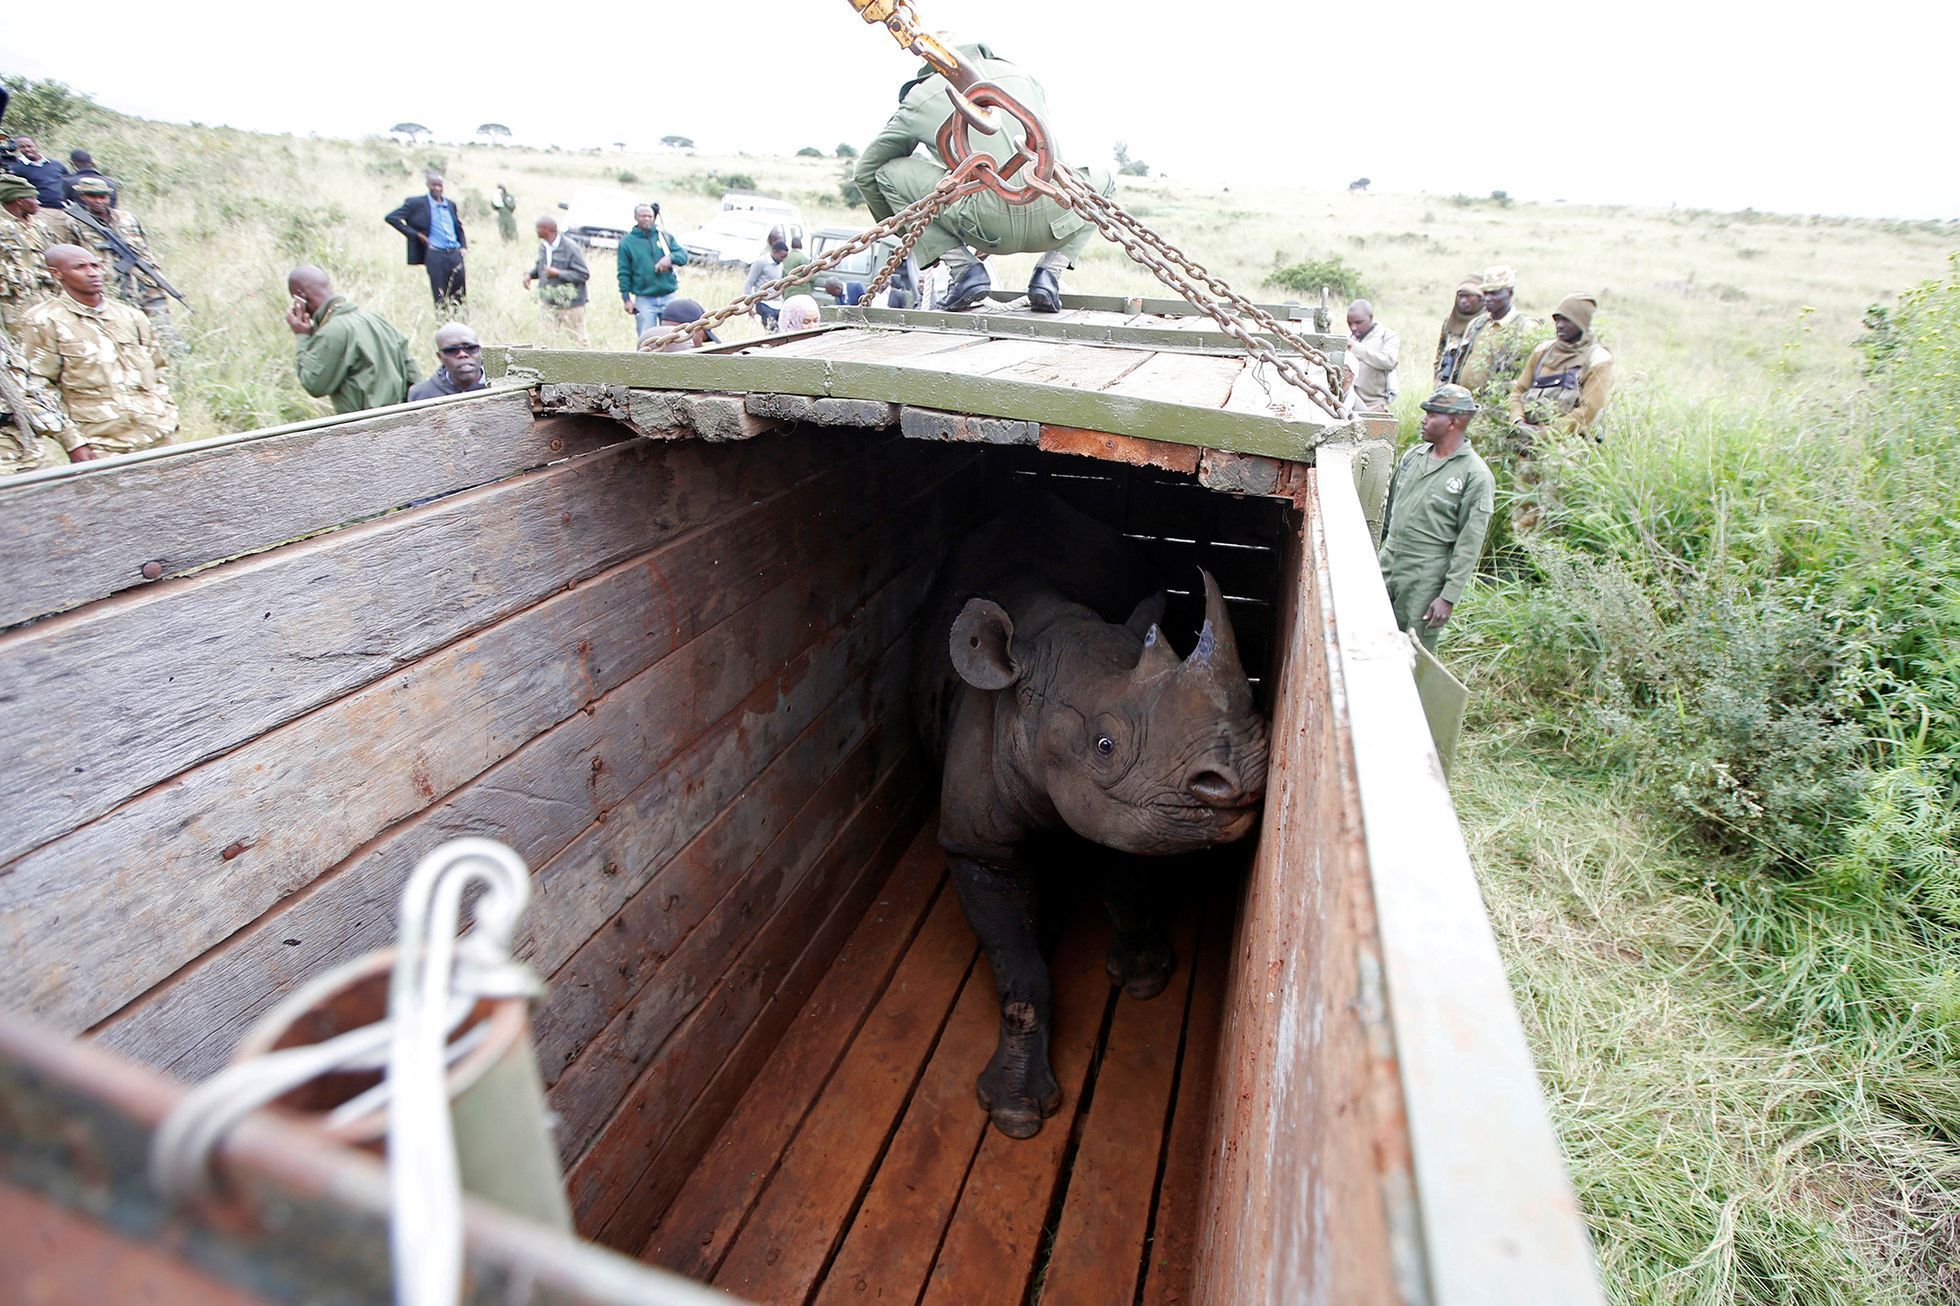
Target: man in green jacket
[(647, 259), (892, 176), (1438, 512), (350, 356)]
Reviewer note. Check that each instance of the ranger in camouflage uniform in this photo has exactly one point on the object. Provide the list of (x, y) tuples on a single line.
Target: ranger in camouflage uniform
[(24, 278), (131, 286), (22, 446), (102, 357)]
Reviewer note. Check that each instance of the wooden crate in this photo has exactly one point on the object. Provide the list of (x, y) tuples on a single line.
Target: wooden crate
[(254, 680)]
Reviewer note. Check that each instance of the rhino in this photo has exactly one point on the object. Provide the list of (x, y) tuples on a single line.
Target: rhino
[(1045, 716)]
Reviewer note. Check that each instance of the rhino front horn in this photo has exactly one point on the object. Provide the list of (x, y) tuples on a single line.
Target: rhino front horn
[(1218, 649)]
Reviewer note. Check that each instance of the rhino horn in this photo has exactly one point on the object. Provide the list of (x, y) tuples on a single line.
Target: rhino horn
[(1158, 656), (1218, 648)]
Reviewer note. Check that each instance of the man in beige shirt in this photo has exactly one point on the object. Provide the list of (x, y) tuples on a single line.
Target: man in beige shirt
[(101, 356)]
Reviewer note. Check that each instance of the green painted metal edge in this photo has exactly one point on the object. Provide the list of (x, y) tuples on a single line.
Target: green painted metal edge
[(1444, 701), (920, 386), (1169, 307), (1004, 327)]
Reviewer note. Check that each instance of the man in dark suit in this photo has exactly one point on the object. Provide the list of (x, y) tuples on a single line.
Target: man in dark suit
[(434, 230)]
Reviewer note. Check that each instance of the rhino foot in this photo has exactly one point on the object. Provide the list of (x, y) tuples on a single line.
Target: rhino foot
[(1018, 1088), (1142, 970)]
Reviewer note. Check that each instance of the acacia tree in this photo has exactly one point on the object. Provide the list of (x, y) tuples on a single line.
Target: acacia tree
[(493, 129), (412, 130)]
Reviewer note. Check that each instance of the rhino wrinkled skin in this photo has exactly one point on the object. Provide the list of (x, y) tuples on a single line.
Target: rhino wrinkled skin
[(1046, 717)]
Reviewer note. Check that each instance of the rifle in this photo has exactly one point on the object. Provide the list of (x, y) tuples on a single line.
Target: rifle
[(126, 258), (15, 399)]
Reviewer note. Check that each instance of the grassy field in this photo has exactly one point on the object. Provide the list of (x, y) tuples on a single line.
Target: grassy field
[(1709, 779)]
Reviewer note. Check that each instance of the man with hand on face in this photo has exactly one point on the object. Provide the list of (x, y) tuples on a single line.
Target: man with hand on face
[(1438, 512), (647, 259), (1450, 351), (461, 356), (350, 356), (434, 231), (101, 356)]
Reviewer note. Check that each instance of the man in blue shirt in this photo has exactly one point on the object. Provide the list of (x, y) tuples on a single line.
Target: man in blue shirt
[(434, 231)]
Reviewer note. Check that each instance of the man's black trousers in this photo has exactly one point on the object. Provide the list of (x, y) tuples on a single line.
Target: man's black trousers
[(446, 275)]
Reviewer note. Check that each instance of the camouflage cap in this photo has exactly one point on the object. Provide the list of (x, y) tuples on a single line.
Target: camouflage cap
[(1500, 278), (15, 188), (89, 186), (1451, 401)]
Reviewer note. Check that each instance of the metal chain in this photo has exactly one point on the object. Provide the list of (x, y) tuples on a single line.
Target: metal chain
[(897, 260), (1183, 274)]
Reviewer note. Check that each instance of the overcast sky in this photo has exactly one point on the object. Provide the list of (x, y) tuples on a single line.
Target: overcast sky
[(1799, 107)]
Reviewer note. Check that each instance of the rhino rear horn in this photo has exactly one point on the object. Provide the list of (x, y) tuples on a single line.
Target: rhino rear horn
[(1158, 657), (1218, 648)]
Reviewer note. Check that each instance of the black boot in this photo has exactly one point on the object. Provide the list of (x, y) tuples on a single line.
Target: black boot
[(968, 289), (1045, 291)]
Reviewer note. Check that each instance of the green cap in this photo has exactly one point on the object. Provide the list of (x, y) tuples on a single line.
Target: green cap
[(1452, 401), (89, 186), (15, 188)]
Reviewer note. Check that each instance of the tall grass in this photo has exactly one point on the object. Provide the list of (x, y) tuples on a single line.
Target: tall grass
[(1742, 618)]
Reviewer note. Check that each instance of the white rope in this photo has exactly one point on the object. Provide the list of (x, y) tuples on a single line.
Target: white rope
[(437, 980)]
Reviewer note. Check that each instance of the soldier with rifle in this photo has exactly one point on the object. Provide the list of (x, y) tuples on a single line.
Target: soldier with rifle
[(117, 238)]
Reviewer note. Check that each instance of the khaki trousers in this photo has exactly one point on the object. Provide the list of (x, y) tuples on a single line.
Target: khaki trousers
[(564, 321)]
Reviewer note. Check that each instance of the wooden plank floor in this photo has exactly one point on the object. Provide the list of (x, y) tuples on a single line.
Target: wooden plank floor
[(859, 1168)]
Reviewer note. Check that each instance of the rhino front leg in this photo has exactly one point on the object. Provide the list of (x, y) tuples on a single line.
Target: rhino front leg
[(1018, 1087), (1140, 956)]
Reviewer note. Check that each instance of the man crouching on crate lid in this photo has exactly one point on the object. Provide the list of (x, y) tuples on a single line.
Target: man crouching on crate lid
[(892, 176)]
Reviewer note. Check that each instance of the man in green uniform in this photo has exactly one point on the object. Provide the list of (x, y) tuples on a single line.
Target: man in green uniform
[(1493, 343), (345, 353), (505, 207), (24, 277), (892, 176), (29, 411), (129, 284), (101, 357), (1438, 512)]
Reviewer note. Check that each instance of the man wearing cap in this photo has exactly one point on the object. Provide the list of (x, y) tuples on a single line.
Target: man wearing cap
[(648, 256), (92, 195), (461, 357), (560, 275), (24, 277), (84, 165), (1373, 350), (101, 357), (1438, 512), (892, 176), (674, 313), (342, 352), (1564, 383), (1493, 342), (1449, 345)]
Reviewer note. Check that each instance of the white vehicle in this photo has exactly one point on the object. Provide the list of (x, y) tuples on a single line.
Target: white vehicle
[(738, 234), (597, 216)]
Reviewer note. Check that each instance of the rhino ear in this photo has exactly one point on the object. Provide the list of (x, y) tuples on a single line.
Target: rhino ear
[(1148, 613), (982, 645)]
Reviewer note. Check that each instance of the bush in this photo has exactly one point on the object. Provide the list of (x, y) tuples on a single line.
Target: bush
[(738, 181), (627, 177), (809, 152), (42, 109), (1310, 276), (846, 150)]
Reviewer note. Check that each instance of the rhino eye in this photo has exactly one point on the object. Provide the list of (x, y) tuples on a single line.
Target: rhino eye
[(1105, 745)]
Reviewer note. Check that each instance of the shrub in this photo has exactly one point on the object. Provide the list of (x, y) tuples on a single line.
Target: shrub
[(738, 181), (627, 177), (846, 150), (809, 152), (1310, 276)]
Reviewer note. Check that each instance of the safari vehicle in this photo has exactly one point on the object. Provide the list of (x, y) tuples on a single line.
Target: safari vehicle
[(861, 266), (598, 217), (740, 232), (645, 619)]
